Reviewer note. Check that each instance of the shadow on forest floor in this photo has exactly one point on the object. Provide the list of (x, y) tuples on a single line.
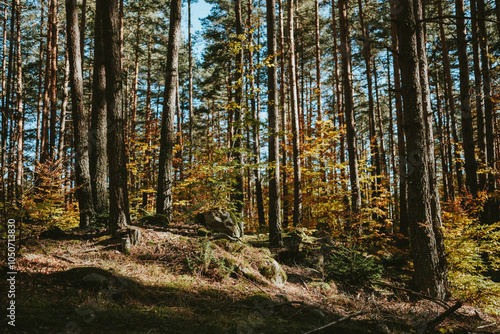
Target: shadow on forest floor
[(78, 282), (93, 300)]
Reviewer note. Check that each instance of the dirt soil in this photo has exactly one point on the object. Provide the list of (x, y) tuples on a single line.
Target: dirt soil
[(175, 281)]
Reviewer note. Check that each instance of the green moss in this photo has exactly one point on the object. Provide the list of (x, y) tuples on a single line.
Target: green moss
[(156, 220), (258, 298), (203, 232)]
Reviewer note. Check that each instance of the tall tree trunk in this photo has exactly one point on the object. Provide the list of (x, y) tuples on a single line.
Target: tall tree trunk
[(338, 102), (84, 190), (375, 155), (148, 122), (133, 106), (275, 237), (345, 50), (54, 35), (442, 271), (6, 112), (98, 127), (179, 123), (467, 127), (238, 196), (449, 93), (190, 88), (4, 50), (284, 121), (318, 60), (83, 23), (165, 176), (44, 132), (40, 83), (64, 106), (317, 89), (392, 152), (478, 89), (297, 173), (447, 183), (135, 80), (380, 127), (19, 108), (4, 95), (256, 128), (119, 215), (428, 276), (491, 211), (403, 190), (497, 12)]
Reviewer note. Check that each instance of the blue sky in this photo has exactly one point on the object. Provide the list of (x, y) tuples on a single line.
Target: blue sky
[(199, 9)]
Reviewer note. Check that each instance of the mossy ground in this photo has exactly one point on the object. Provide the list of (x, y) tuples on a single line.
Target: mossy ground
[(178, 282)]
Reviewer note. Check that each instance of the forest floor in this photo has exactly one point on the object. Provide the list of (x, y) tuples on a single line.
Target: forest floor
[(176, 281)]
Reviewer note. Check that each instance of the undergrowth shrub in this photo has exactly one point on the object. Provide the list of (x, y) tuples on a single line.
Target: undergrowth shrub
[(473, 252), (350, 265), (206, 262), (46, 201)]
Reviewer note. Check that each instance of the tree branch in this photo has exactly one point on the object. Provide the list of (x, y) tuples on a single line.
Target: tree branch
[(437, 320), (337, 321)]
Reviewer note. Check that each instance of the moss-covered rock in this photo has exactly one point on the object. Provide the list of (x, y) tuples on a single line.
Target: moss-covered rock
[(156, 220), (203, 232), (273, 271), (257, 300), (221, 221), (323, 287)]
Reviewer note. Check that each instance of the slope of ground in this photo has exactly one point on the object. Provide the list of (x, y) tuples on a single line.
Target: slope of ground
[(177, 282)]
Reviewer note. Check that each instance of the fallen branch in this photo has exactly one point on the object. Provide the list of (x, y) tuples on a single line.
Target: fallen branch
[(338, 321), (63, 258), (437, 320), (258, 287), (415, 293), (486, 326)]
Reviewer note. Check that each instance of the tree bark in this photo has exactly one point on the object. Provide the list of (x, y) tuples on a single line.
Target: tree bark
[(238, 195), (375, 154), (98, 127), (403, 190), (449, 93), (64, 107), (54, 35), (20, 109), (119, 215), (467, 127), (83, 24), (148, 122), (481, 138), (491, 210), (256, 129), (133, 107), (84, 190), (275, 237), (297, 173), (345, 50), (44, 132), (442, 271), (338, 103), (165, 176), (427, 277), (6, 112), (190, 88), (40, 83), (3, 147)]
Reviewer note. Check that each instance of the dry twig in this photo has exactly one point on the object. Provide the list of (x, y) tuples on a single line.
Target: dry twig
[(415, 293), (337, 321), (437, 320)]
